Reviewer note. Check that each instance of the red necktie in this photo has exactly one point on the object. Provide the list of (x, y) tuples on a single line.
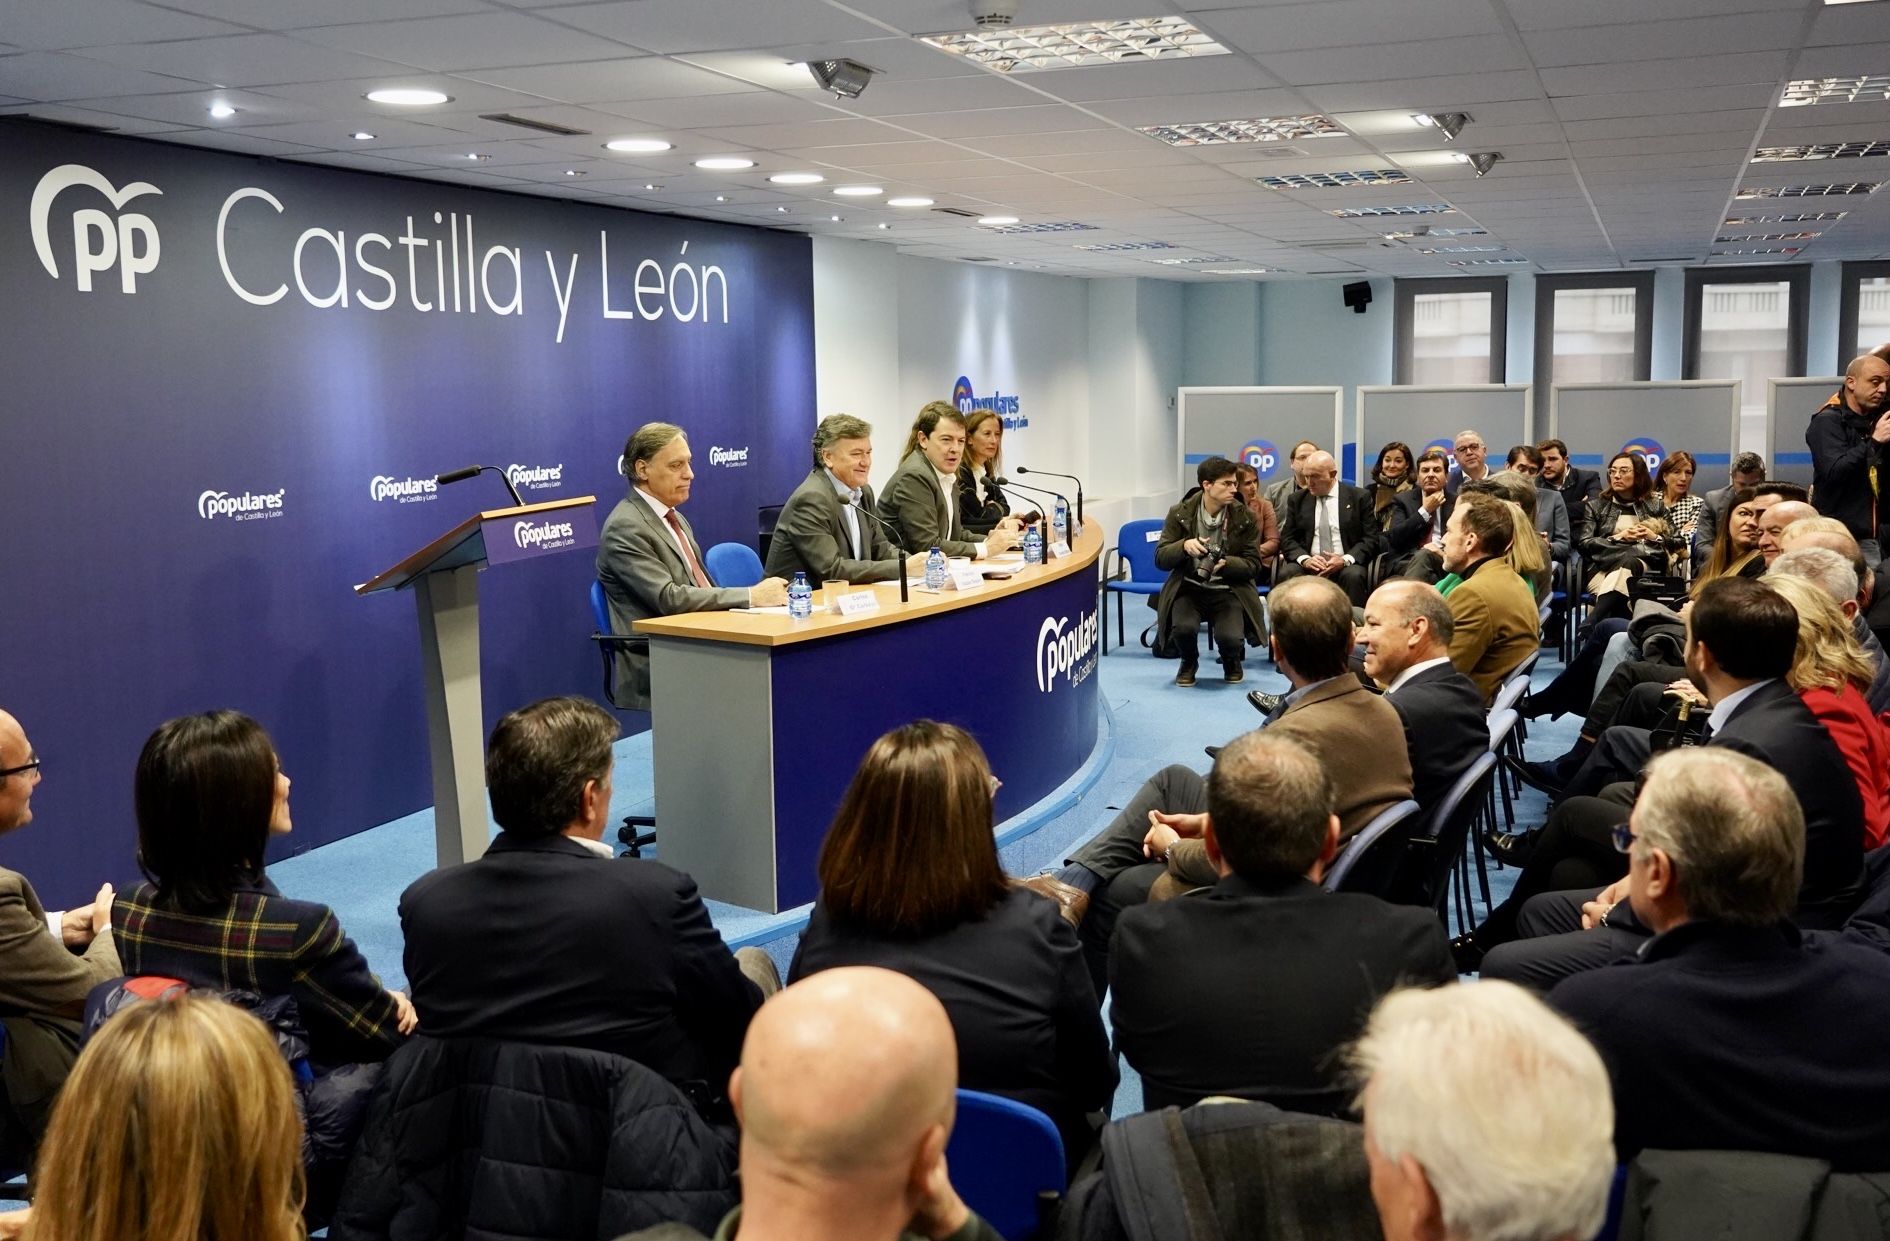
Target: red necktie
[(702, 579)]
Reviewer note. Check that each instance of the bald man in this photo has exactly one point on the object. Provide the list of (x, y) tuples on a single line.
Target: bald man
[(1772, 523), (846, 1096), (47, 964), (1847, 438), (1329, 530)]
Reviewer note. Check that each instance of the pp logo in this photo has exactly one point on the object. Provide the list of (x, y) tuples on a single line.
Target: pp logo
[(1649, 450), (962, 394), (99, 242), (1447, 447), (1262, 456), (1066, 650)]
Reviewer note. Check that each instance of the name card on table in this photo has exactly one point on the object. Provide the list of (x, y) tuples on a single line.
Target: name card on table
[(853, 603), (1056, 551)]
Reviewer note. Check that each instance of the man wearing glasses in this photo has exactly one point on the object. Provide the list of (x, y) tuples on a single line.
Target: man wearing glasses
[(48, 962)]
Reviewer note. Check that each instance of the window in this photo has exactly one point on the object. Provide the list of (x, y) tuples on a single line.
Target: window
[(1595, 328), (1864, 313), (1749, 324), (1450, 331)]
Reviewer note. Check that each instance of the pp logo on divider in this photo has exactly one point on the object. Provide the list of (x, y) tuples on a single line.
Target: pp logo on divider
[(1262, 456), (99, 242), (1648, 449)]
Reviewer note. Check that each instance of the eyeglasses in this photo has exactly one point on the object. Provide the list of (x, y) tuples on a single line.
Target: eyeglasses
[(1624, 837), (35, 765)]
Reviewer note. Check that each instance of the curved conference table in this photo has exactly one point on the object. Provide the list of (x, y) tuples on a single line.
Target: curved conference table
[(760, 720)]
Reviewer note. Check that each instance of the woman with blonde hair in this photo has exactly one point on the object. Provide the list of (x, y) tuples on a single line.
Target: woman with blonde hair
[(1831, 674), (177, 1124)]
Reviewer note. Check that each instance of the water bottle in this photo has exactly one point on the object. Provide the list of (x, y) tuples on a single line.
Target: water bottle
[(800, 598), (935, 570), (1060, 522), (1033, 544)]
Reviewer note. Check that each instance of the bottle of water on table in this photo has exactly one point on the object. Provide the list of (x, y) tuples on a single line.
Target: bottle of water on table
[(800, 598), (1033, 544), (1060, 523), (935, 570)]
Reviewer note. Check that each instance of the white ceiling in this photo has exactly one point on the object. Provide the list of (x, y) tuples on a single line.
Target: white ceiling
[(1625, 125)]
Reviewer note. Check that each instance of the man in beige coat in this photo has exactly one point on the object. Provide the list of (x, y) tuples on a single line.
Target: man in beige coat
[(48, 962), (1497, 622)]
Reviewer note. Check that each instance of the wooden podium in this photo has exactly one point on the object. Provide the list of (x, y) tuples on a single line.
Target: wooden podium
[(443, 576)]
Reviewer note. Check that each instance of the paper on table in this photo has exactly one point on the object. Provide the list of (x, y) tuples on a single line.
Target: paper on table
[(774, 611), (1006, 558)]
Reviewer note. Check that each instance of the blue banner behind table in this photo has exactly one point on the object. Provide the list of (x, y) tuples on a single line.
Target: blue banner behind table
[(1034, 714), (229, 383)]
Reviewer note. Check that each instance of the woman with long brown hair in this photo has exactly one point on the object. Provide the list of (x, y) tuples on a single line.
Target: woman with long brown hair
[(910, 881), (1625, 534), (981, 502)]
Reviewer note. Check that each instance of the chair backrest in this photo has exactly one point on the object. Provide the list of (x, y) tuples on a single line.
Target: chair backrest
[(733, 564), (1500, 723), (1370, 862), (1522, 670), (1135, 544), (1511, 693), (1002, 1155), (600, 612), (765, 518), (1437, 843)]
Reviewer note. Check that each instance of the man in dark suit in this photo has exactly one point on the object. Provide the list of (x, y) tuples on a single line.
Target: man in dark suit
[(921, 498), (830, 529), (1330, 530), (1416, 534), (1741, 637), (1407, 634), (1473, 461), (1309, 964), (551, 939), (649, 560), (1748, 470), (1728, 1030), (1577, 486)]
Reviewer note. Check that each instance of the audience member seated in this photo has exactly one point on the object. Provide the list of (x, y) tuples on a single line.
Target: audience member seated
[(1746, 472), (1494, 609), (178, 1124), (921, 498), (1551, 516), (1486, 1118), (845, 1096), (1674, 481), (1250, 987), (551, 939), (1207, 545), (1280, 492), (830, 528), (209, 794), (1329, 530), (1829, 534), (1328, 711), (1406, 637), (1742, 640), (1774, 521), (1415, 535), (910, 881), (982, 504), (1727, 1030), (1472, 461), (1247, 486), (1391, 478), (48, 962), (1625, 534), (1577, 486), (1528, 557)]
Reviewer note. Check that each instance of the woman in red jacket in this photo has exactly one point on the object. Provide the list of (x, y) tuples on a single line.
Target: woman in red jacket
[(1831, 672)]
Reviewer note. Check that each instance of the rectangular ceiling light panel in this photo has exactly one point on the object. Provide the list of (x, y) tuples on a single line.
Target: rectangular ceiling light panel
[(1261, 129), (1801, 217), (1020, 49), (1487, 262), (1358, 213), (1807, 191), (1862, 88), (1821, 150), (1335, 180), (1761, 250), (1461, 250), (1218, 258), (1047, 226), (1770, 237), (1115, 247)]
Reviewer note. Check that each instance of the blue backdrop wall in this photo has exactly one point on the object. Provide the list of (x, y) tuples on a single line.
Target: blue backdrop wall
[(226, 384)]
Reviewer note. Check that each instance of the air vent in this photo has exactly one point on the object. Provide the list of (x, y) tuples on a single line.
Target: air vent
[(958, 211), (1279, 153), (543, 127)]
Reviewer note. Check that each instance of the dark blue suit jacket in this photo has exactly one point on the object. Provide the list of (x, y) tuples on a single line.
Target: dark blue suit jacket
[(1444, 730)]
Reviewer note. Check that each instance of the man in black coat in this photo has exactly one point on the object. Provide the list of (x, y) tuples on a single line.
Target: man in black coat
[(1416, 533), (1577, 486), (1251, 987), (1847, 438), (1208, 546), (549, 938), (1330, 529), (1407, 634), (1728, 1030)]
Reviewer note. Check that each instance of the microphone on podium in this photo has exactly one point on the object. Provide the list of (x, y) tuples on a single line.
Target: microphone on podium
[(473, 471), (1073, 478)]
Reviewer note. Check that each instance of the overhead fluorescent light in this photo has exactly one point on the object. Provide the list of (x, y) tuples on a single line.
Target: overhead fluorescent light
[(1801, 217), (1072, 45), (1117, 247), (1189, 262), (859, 191), (1045, 226), (1335, 180), (1807, 191), (222, 111), (1459, 232), (1768, 237), (637, 146), (991, 221), (405, 97), (1461, 250), (724, 163), (1821, 150), (1860, 88), (1240, 271), (1356, 213), (362, 135), (908, 201), (1760, 250), (797, 178), (1260, 129), (1488, 262)]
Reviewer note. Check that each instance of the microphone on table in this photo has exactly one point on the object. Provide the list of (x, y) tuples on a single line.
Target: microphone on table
[(1073, 478), (892, 534), (1042, 491), (473, 471)]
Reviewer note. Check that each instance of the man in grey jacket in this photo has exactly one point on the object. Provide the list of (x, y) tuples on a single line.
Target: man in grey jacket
[(830, 528), (921, 498)]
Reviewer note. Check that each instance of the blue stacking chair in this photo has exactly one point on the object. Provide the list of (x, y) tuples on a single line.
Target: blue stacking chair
[(1370, 862), (608, 644), (1436, 866), (1129, 569), (733, 564), (1006, 1161)]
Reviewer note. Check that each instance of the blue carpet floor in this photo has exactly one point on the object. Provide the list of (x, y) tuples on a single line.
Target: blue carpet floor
[(1150, 723)]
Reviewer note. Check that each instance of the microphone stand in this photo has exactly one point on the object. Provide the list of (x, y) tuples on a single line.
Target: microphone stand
[(892, 536), (1073, 478), (1042, 491), (473, 471)]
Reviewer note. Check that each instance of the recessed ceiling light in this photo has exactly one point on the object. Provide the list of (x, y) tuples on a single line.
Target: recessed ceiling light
[(1820, 150), (408, 98), (724, 163), (1761, 250), (1488, 262), (1800, 217), (1240, 271), (1260, 129), (1113, 247), (721, 198), (1189, 262), (474, 155), (222, 111), (1766, 237), (858, 191), (1457, 232), (650, 185), (834, 218), (1808, 191), (882, 226), (782, 210), (1857, 88), (575, 172), (1045, 226), (1335, 180), (908, 201), (637, 146), (1133, 41), (362, 135), (992, 220), (797, 178), (1355, 213)]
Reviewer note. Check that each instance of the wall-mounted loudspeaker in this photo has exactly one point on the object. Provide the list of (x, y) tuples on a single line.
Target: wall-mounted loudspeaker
[(1358, 295)]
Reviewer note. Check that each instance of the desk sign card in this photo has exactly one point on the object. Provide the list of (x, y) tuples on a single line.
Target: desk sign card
[(963, 576), (1058, 551), (856, 602)]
